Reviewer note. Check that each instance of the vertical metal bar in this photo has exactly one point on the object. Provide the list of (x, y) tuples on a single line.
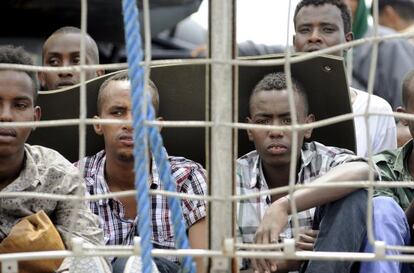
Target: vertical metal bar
[(221, 37), (82, 102), (82, 108)]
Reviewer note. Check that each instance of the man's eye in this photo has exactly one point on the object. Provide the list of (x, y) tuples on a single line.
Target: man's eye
[(53, 62), (286, 121), (76, 61), (262, 121), (303, 30), (117, 113), (329, 29), (21, 106)]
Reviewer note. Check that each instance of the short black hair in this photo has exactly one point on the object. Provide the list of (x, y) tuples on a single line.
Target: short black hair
[(10, 54), (92, 48), (123, 76), (406, 86), (277, 81), (404, 8), (345, 11)]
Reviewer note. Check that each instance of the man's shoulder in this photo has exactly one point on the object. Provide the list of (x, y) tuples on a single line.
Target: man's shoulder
[(247, 159), (376, 102), (318, 148), (90, 163), (186, 171), (46, 158), (178, 162), (386, 158)]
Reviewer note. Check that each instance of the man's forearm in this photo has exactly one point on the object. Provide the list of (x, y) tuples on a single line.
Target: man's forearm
[(313, 197)]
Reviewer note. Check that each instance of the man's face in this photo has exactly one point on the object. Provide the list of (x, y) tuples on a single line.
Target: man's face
[(63, 49), (272, 108), (409, 109), (319, 27), (16, 104), (116, 104)]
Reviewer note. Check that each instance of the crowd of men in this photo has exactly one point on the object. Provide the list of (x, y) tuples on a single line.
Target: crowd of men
[(330, 219)]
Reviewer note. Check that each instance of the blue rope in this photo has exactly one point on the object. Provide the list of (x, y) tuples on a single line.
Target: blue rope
[(161, 160), (136, 74)]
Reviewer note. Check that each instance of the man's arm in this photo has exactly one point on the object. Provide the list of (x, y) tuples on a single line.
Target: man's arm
[(409, 213), (269, 229), (197, 235), (87, 224)]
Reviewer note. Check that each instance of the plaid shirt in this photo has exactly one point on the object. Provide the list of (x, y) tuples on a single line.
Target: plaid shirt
[(316, 160), (190, 178)]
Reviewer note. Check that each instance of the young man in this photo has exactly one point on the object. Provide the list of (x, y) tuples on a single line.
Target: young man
[(398, 165), (62, 48), (112, 170), (321, 24), (268, 167), (26, 168), (340, 215)]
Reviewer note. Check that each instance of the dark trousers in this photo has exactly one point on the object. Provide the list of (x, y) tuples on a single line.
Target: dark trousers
[(164, 265), (342, 228)]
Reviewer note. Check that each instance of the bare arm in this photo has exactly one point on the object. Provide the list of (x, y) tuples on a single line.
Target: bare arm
[(197, 234)]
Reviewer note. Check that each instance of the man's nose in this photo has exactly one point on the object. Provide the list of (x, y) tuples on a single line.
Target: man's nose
[(6, 113), (315, 36), (128, 120), (65, 73), (276, 133)]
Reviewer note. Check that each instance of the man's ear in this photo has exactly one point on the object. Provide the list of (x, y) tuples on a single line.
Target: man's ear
[(159, 119), (349, 36), (37, 113), (293, 41), (97, 127), (249, 132), (309, 119), (100, 72), (401, 109), (42, 80)]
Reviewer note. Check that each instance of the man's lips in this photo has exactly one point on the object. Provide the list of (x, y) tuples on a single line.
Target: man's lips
[(65, 83), (7, 135), (127, 140), (277, 149), (312, 48)]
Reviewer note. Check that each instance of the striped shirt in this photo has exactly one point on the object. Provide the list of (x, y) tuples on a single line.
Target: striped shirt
[(190, 178), (316, 160)]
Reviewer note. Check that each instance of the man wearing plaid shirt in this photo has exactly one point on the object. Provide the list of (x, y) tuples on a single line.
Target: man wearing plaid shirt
[(338, 222), (111, 170)]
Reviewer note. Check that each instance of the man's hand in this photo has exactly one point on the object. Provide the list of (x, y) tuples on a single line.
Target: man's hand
[(273, 223), (307, 239)]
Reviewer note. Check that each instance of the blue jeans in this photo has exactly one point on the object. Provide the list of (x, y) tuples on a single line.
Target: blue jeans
[(390, 226), (163, 265), (342, 228)]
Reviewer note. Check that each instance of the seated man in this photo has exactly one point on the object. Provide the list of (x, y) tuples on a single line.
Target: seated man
[(397, 165), (112, 170), (26, 168), (320, 24), (261, 220), (62, 48)]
